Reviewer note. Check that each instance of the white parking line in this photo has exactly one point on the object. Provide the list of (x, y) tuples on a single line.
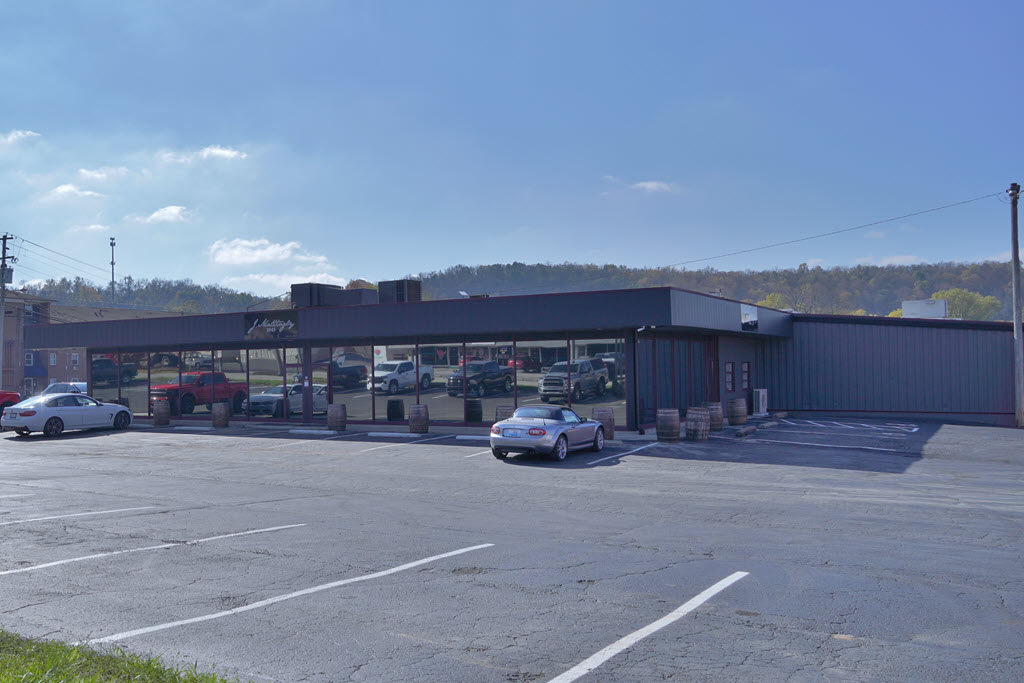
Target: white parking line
[(475, 454), (296, 442), (392, 445), (34, 567), (619, 455), (596, 660), (77, 514), (803, 443), (17, 495), (287, 596), (472, 437)]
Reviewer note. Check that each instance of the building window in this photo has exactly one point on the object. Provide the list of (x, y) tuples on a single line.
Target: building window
[(745, 375), (28, 359), (730, 376), (74, 361), (53, 359)]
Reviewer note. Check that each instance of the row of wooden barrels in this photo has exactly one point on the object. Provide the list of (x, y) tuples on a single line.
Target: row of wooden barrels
[(700, 421)]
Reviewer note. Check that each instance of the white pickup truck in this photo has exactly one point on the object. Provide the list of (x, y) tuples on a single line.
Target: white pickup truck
[(391, 376)]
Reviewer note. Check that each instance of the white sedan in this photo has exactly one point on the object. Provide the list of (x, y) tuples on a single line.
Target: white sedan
[(52, 414)]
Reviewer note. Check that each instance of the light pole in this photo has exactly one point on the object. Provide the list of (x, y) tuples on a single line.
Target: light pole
[(1018, 349), (112, 244)]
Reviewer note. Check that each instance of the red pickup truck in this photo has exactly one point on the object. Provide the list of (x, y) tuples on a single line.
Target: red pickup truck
[(9, 398), (197, 388)]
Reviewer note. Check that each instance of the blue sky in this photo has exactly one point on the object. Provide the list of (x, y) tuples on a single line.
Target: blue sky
[(254, 144)]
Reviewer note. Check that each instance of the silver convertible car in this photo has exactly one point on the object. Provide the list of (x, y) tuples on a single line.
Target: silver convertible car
[(550, 430)]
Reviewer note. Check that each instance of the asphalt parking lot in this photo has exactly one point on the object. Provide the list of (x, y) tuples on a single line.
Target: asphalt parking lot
[(816, 550)]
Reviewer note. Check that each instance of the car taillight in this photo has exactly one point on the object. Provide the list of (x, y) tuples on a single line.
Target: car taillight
[(28, 413), (537, 431), (495, 430)]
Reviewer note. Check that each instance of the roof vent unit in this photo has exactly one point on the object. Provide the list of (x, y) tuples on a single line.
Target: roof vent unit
[(398, 291)]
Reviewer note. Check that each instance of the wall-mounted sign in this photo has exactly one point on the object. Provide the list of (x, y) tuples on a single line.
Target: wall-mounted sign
[(748, 317), (271, 325)]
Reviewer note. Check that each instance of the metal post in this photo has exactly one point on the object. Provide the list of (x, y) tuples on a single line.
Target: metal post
[(3, 303), (1018, 349), (112, 244)]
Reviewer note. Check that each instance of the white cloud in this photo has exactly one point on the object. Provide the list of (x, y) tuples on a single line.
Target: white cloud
[(16, 135), (812, 262), (610, 178), (104, 173), (211, 152), (243, 252), (95, 227), (895, 260), (654, 186), (168, 214), (69, 191), (1001, 257), (274, 283), (874, 235)]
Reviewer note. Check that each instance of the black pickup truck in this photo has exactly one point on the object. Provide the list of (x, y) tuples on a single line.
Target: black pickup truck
[(481, 377), (107, 370)]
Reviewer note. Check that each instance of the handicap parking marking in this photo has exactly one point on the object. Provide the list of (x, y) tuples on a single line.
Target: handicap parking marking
[(757, 439), (96, 556), (282, 598), (77, 514), (626, 642), (889, 427)]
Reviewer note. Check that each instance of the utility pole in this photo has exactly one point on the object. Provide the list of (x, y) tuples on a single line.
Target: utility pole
[(6, 274), (1018, 349), (112, 244)]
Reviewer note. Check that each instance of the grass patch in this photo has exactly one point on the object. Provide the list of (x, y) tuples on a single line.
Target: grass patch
[(24, 660)]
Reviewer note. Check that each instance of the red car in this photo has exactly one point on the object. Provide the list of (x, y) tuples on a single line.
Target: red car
[(9, 398), (524, 363)]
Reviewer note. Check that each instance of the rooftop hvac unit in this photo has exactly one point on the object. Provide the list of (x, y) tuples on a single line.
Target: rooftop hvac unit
[(760, 402)]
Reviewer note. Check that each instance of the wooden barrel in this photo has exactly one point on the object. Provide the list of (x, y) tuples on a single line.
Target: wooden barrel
[(503, 413), (337, 417), (715, 412), (668, 424), (419, 418), (736, 411), (396, 410), (474, 410), (698, 423), (606, 416), (161, 413), (221, 414)]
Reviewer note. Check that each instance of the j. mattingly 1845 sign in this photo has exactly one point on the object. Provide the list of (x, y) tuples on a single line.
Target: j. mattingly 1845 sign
[(271, 325)]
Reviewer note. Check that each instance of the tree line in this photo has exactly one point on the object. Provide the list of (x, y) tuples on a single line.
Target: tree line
[(864, 290)]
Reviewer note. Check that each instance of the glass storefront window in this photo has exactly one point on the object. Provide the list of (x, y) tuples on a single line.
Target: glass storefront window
[(540, 377), (350, 371), (485, 379), (444, 397), (107, 375), (268, 393), (164, 366), (134, 384), (395, 381), (197, 389), (231, 363), (606, 385)]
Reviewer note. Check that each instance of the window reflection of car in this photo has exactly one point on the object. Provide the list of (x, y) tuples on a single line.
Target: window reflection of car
[(65, 388), (548, 430), (524, 364), (271, 402), (52, 414), (481, 377)]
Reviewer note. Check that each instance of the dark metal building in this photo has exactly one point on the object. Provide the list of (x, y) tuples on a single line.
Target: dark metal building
[(661, 348)]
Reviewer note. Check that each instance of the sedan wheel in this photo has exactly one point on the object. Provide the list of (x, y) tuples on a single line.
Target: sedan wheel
[(561, 449), (122, 420), (598, 440), (54, 427), (499, 454)]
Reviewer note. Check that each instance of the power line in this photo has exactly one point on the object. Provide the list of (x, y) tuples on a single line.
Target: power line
[(784, 243), (72, 258)]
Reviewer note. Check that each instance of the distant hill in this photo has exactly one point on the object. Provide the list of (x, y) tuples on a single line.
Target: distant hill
[(875, 290), (872, 290)]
